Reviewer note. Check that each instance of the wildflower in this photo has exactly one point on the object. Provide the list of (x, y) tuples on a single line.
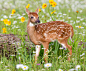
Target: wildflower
[(14, 22), (1, 19), (34, 52), (60, 70), (82, 54), (54, 4), (77, 67), (52, 12), (78, 17), (5, 16), (5, 21), (64, 14), (24, 67), (1, 62), (51, 2), (19, 66), (44, 5), (9, 23), (69, 17), (8, 70), (27, 6), (47, 65), (39, 10), (43, 69), (76, 11), (12, 55), (59, 57), (13, 11), (4, 30), (22, 19), (38, 64), (79, 26), (71, 69)]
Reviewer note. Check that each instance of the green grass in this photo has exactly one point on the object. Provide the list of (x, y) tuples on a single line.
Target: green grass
[(54, 51)]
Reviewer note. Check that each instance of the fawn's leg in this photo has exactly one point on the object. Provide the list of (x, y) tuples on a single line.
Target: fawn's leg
[(46, 45), (65, 44), (37, 52)]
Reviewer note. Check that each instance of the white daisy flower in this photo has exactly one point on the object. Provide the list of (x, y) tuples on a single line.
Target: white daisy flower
[(34, 52), (71, 69), (59, 57), (60, 13), (14, 22), (19, 58), (78, 17), (82, 19), (5, 16), (47, 65), (64, 14), (1, 62), (82, 54), (23, 14), (77, 67), (12, 55), (2, 19), (79, 26), (60, 70), (60, 48), (77, 21), (43, 69), (69, 17), (80, 11), (24, 67), (8, 70), (19, 66)]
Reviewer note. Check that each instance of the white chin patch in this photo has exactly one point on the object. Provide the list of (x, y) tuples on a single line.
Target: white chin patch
[(31, 24)]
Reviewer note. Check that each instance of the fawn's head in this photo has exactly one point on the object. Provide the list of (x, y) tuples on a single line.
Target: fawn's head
[(33, 16)]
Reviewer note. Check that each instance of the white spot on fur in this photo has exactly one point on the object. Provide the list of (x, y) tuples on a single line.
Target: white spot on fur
[(45, 34)]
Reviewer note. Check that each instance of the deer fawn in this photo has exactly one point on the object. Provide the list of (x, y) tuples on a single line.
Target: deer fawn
[(44, 33)]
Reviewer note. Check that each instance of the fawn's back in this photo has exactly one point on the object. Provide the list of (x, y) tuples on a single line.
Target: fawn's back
[(54, 30)]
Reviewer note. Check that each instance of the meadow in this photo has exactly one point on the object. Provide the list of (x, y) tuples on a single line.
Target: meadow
[(13, 20)]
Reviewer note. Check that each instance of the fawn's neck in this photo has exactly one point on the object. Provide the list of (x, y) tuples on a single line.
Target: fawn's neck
[(30, 29)]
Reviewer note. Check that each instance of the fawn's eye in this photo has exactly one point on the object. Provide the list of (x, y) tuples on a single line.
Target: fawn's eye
[(31, 17)]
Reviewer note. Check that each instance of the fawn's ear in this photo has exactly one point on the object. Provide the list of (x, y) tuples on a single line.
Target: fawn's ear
[(27, 11), (37, 10)]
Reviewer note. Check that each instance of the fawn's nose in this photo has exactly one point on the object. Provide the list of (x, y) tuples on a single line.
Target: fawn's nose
[(38, 21)]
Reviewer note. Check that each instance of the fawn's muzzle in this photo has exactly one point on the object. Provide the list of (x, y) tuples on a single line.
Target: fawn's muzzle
[(38, 21)]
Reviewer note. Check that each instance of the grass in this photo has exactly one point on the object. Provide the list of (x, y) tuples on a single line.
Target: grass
[(57, 57)]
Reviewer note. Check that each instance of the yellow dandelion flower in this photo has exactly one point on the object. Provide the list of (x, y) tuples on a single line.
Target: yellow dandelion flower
[(52, 12), (9, 23), (39, 10), (28, 6), (54, 4), (4, 30), (22, 19), (13, 11), (51, 2), (5, 21), (44, 5)]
